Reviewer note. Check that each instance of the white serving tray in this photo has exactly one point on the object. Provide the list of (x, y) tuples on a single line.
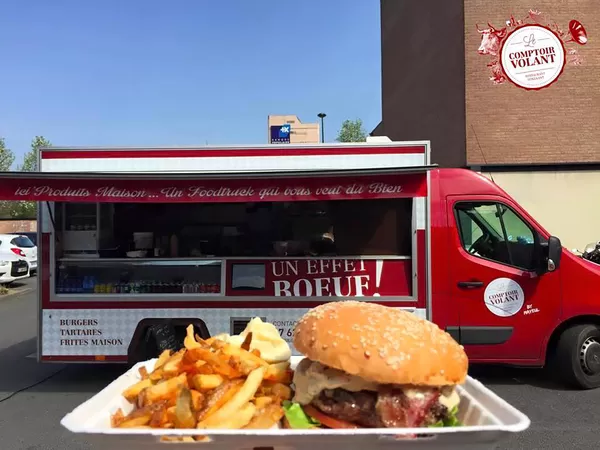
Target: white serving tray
[(486, 417)]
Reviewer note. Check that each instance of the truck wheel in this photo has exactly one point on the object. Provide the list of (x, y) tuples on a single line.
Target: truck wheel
[(153, 336), (577, 356)]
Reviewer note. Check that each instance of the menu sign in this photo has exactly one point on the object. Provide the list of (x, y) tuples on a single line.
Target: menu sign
[(208, 191), (85, 332), (338, 277), (89, 333)]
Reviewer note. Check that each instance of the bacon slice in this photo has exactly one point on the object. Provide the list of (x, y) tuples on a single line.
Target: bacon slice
[(396, 410)]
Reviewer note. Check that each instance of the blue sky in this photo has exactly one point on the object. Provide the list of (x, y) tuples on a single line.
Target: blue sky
[(183, 72)]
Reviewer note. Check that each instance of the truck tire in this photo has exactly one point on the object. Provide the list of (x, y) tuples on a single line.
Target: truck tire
[(576, 359), (153, 336)]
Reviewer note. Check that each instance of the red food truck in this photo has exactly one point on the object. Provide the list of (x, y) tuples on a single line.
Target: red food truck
[(136, 243)]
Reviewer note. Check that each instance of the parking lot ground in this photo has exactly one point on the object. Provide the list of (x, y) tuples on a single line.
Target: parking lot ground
[(34, 397)]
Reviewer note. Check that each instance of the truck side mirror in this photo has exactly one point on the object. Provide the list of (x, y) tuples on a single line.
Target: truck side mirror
[(554, 253), (549, 254)]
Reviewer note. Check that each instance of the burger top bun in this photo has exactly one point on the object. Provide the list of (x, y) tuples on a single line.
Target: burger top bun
[(380, 344)]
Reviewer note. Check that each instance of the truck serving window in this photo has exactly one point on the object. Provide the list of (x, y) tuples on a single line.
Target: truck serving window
[(217, 249), (264, 229), (495, 232)]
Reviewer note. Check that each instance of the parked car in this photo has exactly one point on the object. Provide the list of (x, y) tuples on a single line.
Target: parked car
[(27, 249), (32, 235), (13, 260)]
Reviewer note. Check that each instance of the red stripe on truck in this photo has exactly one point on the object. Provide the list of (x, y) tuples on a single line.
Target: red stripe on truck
[(230, 152)]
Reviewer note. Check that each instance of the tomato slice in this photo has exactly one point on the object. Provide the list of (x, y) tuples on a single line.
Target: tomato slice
[(326, 420)]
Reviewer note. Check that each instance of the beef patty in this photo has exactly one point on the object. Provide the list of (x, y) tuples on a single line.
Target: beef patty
[(387, 408)]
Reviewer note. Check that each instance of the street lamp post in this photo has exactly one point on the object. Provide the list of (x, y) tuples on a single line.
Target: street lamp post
[(322, 116)]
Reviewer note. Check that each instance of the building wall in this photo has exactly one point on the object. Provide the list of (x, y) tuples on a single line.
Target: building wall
[(509, 125), (436, 86), (301, 133), (17, 226), (563, 202), (423, 76)]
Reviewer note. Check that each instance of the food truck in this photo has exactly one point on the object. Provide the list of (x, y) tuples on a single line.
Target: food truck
[(136, 243)]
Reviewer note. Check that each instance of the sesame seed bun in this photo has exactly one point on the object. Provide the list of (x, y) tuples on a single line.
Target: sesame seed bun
[(380, 344)]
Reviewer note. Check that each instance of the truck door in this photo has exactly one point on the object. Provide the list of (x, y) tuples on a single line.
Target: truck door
[(505, 308)]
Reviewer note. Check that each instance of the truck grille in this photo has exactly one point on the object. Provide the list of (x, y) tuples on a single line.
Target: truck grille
[(17, 268)]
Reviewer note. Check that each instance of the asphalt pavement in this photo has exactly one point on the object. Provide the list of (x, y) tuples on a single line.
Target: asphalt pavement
[(34, 397)]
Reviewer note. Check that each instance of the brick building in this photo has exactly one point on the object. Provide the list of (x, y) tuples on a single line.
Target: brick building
[(542, 146)]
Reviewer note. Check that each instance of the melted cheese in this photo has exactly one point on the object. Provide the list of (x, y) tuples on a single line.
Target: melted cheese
[(450, 400), (310, 378), (265, 339), (415, 393)]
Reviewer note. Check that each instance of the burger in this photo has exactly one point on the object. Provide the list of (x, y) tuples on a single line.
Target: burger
[(371, 366)]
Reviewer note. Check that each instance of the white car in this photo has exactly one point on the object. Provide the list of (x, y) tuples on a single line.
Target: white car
[(13, 261), (27, 247)]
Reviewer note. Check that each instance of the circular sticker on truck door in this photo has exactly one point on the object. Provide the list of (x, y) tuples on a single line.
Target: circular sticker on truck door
[(504, 297)]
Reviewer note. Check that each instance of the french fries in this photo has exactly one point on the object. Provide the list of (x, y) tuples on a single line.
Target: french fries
[(279, 372), (220, 396), (247, 341), (197, 400), (171, 367), (136, 422), (208, 384), (266, 417), (162, 359), (184, 415), (263, 401), (143, 373), (165, 389), (132, 393), (239, 402), (240, 419), (185, 439)]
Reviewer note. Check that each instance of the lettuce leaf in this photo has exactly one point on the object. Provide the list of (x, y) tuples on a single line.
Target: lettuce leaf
[(450, 421), (297, 418)]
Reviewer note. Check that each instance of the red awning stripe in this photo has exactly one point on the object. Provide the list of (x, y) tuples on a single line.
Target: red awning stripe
[(110, 189)]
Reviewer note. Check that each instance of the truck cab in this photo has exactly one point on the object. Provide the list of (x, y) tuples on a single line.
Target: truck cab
[(504, 287)]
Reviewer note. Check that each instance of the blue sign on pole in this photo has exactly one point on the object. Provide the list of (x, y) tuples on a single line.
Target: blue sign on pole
[(280, 134)]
